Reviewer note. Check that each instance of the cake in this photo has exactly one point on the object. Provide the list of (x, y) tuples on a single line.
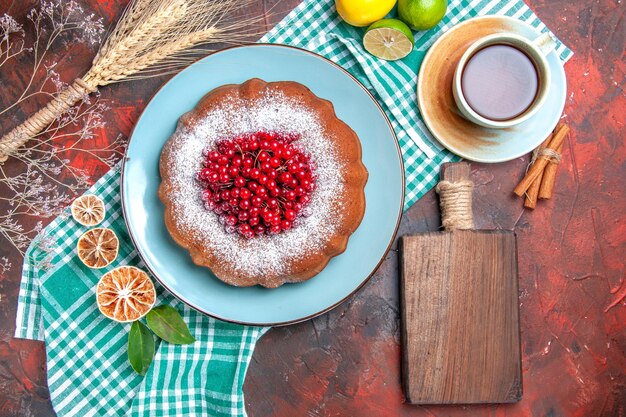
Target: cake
[(262, 183)]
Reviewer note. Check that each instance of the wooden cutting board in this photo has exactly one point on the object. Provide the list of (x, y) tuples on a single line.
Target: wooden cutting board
[(460, 308)]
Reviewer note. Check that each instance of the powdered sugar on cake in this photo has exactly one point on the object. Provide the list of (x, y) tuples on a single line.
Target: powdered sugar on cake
[(273, 112)]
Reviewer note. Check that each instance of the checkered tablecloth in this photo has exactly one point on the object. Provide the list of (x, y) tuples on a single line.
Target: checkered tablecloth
[(88, 371), (316, 26)]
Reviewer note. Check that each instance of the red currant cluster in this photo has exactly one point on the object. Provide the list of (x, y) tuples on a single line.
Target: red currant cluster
[(258, 183)]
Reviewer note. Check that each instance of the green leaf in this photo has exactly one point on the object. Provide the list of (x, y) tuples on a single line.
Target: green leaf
[(166, 323), (140, 347)]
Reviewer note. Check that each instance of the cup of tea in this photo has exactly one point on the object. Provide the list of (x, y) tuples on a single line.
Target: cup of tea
[(503, 79)]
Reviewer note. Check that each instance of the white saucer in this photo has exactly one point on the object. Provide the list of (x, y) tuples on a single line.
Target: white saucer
[(434, 92)]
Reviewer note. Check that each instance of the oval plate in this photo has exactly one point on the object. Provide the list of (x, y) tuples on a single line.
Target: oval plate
[(171, 265), (470, 141)]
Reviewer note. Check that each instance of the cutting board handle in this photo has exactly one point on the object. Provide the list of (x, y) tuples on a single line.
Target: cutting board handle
[(455, 196)]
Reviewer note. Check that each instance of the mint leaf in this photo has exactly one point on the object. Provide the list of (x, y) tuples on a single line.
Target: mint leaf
[(140, 347), (166, 323)]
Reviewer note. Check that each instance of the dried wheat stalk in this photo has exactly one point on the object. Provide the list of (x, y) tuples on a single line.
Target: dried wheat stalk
[(153, 37)]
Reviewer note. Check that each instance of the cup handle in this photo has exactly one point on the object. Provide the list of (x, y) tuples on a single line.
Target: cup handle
[(545, 43)]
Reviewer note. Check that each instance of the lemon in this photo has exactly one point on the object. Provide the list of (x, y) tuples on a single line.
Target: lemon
[(422, 14), (88, 210), (98, 247), (363, 12), (388, 39), (125, 294)]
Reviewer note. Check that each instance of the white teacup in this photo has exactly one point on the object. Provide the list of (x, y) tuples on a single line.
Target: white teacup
[(535, 50)]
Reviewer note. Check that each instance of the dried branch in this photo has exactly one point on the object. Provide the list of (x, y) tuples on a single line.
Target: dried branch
[(41, 181)]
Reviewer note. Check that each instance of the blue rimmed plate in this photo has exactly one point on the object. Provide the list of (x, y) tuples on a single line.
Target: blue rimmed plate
[(171, 265)]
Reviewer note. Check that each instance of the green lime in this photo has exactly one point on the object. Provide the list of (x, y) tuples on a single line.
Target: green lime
[(422, 14), (388, 39)]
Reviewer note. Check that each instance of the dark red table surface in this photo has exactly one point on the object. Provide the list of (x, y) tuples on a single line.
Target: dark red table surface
[(572, 253)]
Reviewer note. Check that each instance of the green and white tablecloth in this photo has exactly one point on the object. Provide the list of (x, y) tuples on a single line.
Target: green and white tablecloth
[(88, 372)]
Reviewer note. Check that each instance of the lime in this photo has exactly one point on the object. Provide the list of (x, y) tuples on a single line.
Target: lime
[(422, 14), (388, 39), (363, 12)]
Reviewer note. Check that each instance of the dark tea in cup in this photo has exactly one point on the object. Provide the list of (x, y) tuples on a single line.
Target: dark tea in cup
[(500, 82), (503, 79)]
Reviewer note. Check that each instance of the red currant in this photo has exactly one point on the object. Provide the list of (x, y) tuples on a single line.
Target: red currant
[(266, 166), (272, 203), (274, 162), (261, 192), (275, 229), (290, 215), (244, 228), (257, 183), (240, 182), (285, 177), (252, 186), (245, 193), (256, 201), (293, 168), (287, 153), (213, 177), (244, 204), (275, 192), (290, 195), (263, 156)]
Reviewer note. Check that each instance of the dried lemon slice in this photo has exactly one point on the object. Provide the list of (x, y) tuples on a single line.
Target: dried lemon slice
[(125, 294), (98, 247), (88, 210)]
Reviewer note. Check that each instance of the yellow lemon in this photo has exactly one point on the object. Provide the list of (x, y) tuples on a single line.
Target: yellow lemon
[(363, 12)]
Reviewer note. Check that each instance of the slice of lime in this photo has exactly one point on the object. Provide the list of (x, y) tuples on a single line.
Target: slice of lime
[(388, 39)]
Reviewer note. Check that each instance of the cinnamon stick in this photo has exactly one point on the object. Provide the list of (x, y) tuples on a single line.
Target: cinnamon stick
[(537, 168), (531, 195), (548, 178)]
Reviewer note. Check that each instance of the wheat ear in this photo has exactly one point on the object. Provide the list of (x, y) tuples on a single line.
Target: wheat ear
[(153, 37)]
